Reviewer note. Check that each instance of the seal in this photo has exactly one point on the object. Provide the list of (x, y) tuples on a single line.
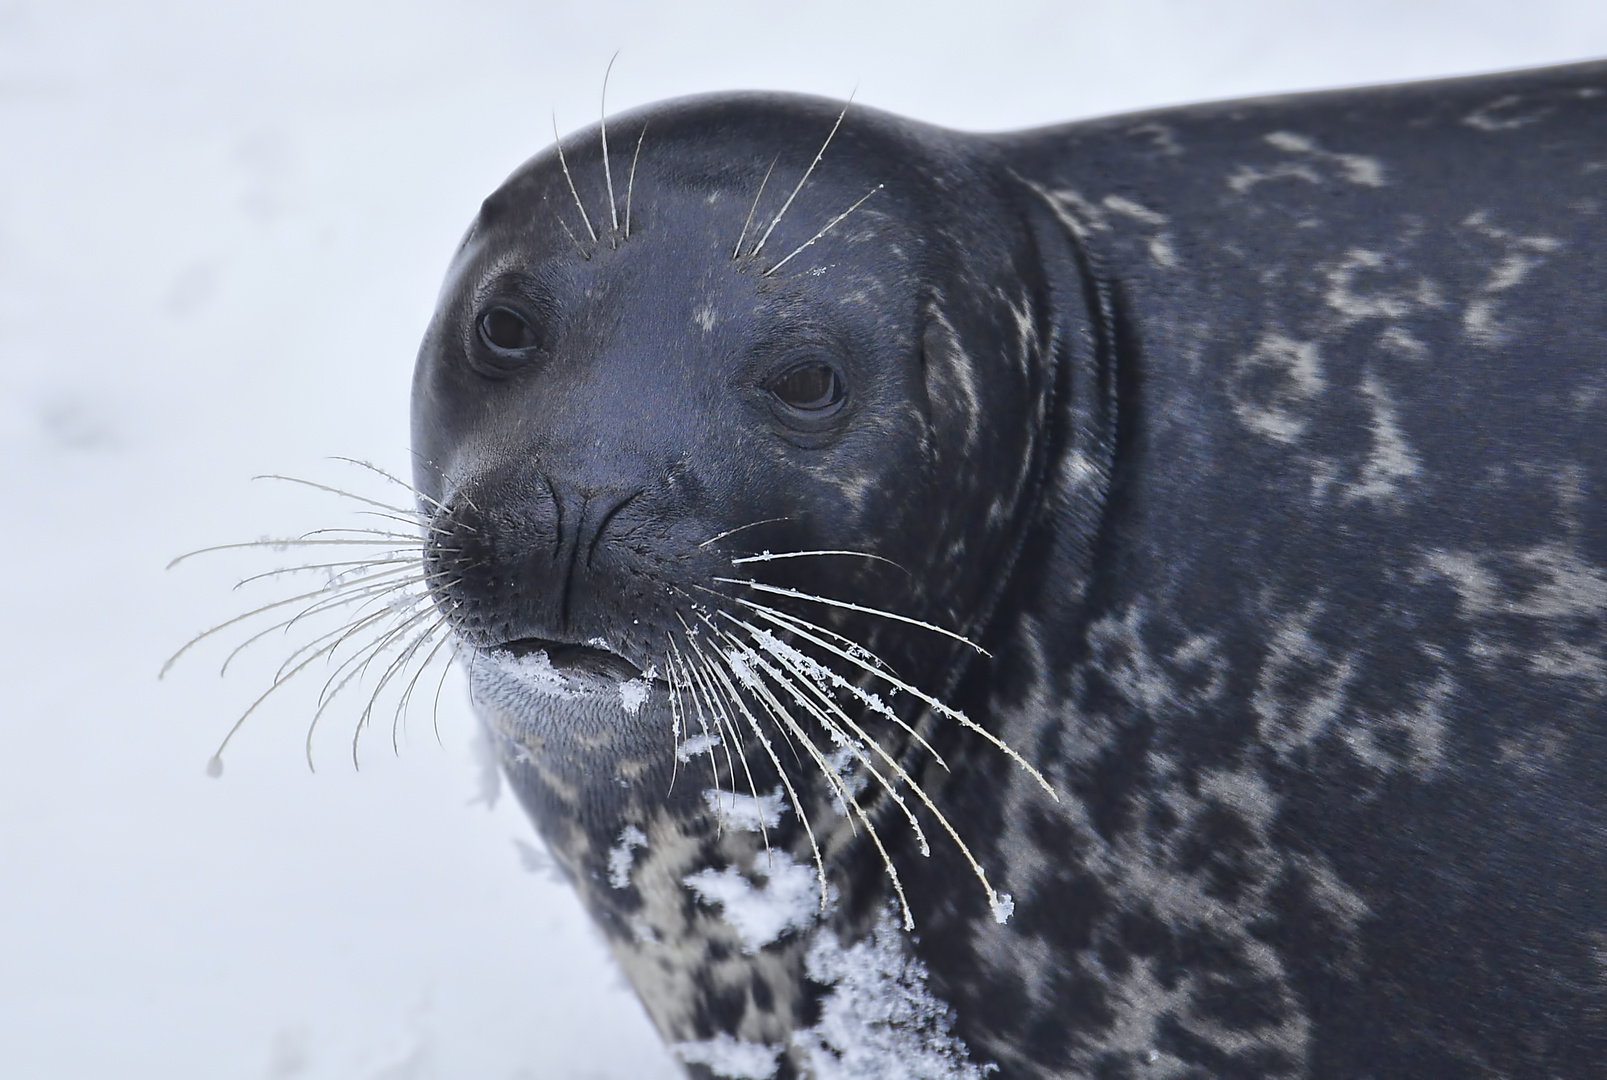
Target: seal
[(1127, 599)]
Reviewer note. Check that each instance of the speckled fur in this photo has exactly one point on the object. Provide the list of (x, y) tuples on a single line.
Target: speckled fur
[(1295, 590)]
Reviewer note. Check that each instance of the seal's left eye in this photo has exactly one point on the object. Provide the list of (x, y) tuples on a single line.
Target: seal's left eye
[(505, 330), (811, 387)]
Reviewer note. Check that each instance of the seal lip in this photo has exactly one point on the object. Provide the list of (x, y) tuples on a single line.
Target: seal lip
[(594, 660)]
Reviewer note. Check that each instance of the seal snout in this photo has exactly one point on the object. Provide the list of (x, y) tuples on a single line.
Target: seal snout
[(514, 567)]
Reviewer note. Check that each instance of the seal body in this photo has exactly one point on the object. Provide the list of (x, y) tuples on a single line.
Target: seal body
[(1258, 453)]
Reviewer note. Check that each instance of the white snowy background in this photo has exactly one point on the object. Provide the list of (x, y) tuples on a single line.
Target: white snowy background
[(222, 226)]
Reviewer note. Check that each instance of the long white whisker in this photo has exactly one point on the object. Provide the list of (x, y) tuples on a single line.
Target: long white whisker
[(792, 794), (337, 491), (565, 163), (407, 694), (279, 545), (365, 654), (777, 590), (802, 181), (254, 612), (702, 719), (677, 715), (397, 666), (830, 225), (892, 680), (772, 556), (217, 755), (608, 173), (768, 642), (718, 711), (409, 539), (573, 239), (351, 565), (403, 484), (743, 235), (741, 528), (630, 184), (834, 723), (859, 651), (784, 719), (435, 710), (284, 625), (753, 789), (826, 676), (851, 807)]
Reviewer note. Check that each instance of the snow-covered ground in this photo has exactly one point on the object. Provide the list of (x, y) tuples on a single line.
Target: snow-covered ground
[(222, 226)]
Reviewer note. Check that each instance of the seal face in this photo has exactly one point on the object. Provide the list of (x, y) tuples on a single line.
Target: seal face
[(1128, 599)]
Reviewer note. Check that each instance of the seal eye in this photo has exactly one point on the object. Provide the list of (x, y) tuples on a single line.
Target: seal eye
[(505, 330), (811, 387)]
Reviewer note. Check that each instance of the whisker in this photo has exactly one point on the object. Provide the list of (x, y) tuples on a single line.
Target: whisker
[(408, 619), (341, 634), (334, 491), (349, 670), (573, 239), (784, 718), (565, 163), (830, 225), (691, 690), (792, 794), (217, 755), (777, 590), (282, 625), (397, 665), (630, 184), (608, 174), (892, 680), (743, 235), (417, 519), (772, 556), (676, 717), (806, 678), (197, 639), (409, 539), (850, 806), (407, 695), (353, 666), (720, 714), (354, 622), (753, 790), (403, 484), (848, 643), (435, 711), (766, 641), (741, 528), (421, 459), (804, 180), (278, 545), (362, 563)]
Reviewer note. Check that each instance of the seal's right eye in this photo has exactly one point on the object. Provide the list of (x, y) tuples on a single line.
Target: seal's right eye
[(506, 331), (811, 388)]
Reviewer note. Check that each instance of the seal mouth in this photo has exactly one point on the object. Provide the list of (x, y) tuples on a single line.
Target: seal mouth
[(569, 658)]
